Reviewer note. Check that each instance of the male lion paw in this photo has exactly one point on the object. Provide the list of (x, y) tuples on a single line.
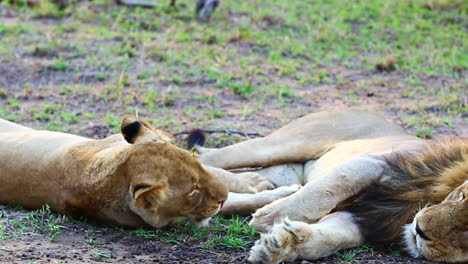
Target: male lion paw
[(281, 243), (264, 218), (252, 182)]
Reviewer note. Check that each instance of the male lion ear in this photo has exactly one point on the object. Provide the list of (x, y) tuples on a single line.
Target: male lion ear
[(145, 194), (135, 130)]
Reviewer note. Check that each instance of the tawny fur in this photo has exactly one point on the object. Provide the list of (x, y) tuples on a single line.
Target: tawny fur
[(362, 172), (150, 182)]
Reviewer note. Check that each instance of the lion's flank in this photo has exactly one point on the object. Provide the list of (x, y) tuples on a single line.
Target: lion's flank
[(415, 181)]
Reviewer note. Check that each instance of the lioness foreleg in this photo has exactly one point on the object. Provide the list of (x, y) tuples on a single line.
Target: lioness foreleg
[(246, 203), (289, 240), (319, 196)]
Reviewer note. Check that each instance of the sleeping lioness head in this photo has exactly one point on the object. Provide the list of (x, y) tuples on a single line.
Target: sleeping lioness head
[(168, 184), (135, 178)]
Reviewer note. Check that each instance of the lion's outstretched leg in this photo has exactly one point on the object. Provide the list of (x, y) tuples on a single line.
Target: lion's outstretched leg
[(304, 139), (246, 182), (263, 152), (321, 195), (289, 240), (245, 204)]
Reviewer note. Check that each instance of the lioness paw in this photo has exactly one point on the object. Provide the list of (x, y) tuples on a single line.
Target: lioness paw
[(264, 218), (253, 182), (280, 243)]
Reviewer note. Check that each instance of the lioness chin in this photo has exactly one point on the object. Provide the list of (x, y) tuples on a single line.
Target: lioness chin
[(364, 179)]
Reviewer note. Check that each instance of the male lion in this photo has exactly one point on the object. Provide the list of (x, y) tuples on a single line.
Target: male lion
[(136, 178), (365, 180)]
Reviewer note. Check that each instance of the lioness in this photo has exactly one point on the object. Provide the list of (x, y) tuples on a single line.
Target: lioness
[(365, 180), (136, 178)]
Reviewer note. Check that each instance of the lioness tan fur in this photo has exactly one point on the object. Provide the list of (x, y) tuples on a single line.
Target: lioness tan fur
[(364, 179), (141, 181), (135, 178)]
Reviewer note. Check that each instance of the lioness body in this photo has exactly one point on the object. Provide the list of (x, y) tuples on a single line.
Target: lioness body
[(147, 182), (364, 178), (135, 178)]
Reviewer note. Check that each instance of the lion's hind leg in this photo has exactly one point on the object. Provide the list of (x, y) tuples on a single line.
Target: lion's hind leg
[(7, 126), (289, 240)]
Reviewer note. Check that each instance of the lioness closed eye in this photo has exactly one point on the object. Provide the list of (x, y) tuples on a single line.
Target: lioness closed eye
[(136, 178), (364, 179)]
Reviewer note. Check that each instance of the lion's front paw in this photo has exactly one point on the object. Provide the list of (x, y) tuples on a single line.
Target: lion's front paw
[(264, 218), (252, 182), (280, 243)]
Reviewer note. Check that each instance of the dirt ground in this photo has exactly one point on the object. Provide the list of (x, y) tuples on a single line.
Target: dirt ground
[(114, 245), (38, 91)]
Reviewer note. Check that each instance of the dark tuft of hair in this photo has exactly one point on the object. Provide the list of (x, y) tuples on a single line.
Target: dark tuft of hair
[(386, 65), (130, 131), (195, 138)]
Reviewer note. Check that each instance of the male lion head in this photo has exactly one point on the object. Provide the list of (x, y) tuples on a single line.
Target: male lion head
[(167, 184), (440, 232)]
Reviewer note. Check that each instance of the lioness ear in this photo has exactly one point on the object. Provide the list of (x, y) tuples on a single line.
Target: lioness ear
[(145, 195), (135, 130), (131, 128)]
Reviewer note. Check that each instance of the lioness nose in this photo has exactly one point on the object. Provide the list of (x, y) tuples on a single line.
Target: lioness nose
[(221, 203)]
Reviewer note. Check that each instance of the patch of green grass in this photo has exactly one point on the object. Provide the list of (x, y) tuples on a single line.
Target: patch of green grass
[(13, 102), (217, 113), (347, 256), (4, 235), (89, 115), (13, 30), (46, 221), (3, 93), (42, 221), (150, 97), (350, 254), (47, 9), (100, 76), (91, 241), (98, 255), (238, 235), (222, 232), (113, 121), (244, 89), (59, 65), (69, 118)]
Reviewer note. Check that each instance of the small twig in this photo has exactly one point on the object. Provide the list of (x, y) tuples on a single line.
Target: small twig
[(225, 131), (403, 124)]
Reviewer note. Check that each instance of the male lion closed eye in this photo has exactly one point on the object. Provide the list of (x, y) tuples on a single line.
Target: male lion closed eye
[(365, 180)]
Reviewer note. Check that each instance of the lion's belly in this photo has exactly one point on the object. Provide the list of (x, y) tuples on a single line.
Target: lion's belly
[(348, 150), (29, 166)]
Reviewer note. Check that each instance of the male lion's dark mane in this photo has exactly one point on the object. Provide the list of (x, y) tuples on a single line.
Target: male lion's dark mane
[(415, 181)]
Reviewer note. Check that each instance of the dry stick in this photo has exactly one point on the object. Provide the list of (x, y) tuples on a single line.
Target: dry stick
[(226, 131), (403, 124), (136, 3)]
